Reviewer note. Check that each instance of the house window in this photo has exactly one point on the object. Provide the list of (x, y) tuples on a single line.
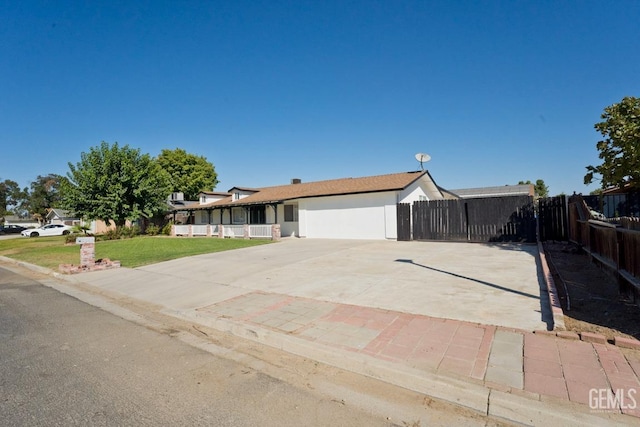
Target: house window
[(236, 196), (237, 215), (422, 198), (290, 213)]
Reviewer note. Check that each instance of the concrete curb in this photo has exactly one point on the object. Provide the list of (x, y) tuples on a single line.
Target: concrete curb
[(527, 409), (32, 267), (473, 396)]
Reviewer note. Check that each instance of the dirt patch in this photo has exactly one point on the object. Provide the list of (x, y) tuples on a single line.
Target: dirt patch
[(590, 296)]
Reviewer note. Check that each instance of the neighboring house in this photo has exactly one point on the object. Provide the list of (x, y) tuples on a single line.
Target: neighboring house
[(616, 202), (499, 191), (61, 216), (24, 222), (348, 208)]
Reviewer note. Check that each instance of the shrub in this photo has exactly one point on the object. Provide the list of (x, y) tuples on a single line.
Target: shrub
[(133, 231), (122, 233), (80, 228), (152, 229), (71, 237), (166, 230)]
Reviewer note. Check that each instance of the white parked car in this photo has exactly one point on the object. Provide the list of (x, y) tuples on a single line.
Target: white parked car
[(47, 230)]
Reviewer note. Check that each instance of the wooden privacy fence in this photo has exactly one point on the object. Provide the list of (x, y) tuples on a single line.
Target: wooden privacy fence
[(613, 246), (496, 219), (553, 219)]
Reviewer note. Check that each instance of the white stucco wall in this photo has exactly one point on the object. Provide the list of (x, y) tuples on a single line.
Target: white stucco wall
[(356, 216), (238, 194), (210, 198), (287, 228), (423, 187)]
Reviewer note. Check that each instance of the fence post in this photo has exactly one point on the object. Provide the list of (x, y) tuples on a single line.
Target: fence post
[(173, 230), (246, 231), (221, 231)]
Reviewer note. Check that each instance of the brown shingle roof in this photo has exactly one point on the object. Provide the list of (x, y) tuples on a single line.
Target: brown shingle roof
[(333, 187)]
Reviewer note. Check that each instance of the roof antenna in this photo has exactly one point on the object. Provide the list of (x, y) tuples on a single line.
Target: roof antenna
[(422, 158)]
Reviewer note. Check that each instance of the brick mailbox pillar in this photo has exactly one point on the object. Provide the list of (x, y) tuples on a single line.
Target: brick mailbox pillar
[(87, 250)]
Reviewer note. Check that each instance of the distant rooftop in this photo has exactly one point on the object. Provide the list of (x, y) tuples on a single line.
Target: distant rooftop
[(499, 191)]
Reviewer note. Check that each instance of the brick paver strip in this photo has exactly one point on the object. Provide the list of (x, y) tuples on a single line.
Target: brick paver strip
[(627, 343), (504, 359), (482, 360), (456, 366), (581, 368), (633, 357), (623, 380), (545, 385), (542, 367), (568, 335), (591, 337)]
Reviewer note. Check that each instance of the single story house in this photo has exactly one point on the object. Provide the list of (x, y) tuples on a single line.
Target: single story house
[(61, 216), (24, 222), (347, 208)]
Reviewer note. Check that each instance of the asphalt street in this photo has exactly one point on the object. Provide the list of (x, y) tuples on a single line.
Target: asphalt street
[(65, 362)]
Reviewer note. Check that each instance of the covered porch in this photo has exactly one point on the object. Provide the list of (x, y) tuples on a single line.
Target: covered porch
[(249, 221), (244, 231)]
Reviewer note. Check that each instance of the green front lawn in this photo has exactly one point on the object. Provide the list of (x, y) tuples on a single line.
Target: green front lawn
[(51, 251)]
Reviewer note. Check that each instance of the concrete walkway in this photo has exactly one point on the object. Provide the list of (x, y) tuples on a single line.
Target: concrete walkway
[(453, 321)]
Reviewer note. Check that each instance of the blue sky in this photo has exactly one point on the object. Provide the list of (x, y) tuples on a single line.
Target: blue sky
[(495, 91)]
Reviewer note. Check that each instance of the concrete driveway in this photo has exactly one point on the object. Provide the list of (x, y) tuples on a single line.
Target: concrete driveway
[(489, 284)]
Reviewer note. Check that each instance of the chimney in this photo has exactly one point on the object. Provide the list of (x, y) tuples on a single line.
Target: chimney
[(296, 181)]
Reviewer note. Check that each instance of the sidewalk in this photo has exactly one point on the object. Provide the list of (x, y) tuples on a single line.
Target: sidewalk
[(547, 370), (525, 377)]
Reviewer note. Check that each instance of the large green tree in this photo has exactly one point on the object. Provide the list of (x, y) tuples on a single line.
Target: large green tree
[(620, 147), (11, 197), (44, 194), (190, 174), (114, 183)]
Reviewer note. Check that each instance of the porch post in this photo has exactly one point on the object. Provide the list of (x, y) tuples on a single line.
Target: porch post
[(275, 232)]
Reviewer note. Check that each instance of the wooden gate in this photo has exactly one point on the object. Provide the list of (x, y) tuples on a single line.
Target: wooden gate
[(496, 219), (403, 213), (502, 219), (552, 219), (440, 220)]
